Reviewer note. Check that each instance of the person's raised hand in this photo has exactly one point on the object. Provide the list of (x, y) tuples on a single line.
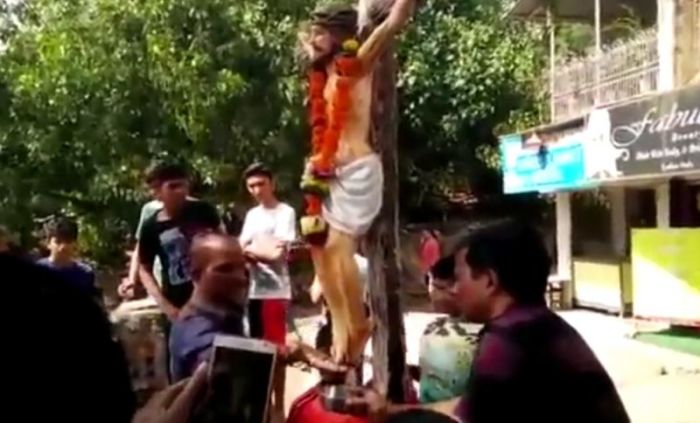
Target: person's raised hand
[(321, 361), (175, 403), (126, 289), (297, 351)]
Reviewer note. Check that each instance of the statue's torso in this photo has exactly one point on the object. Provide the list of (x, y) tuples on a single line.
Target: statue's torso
[(354, 139)]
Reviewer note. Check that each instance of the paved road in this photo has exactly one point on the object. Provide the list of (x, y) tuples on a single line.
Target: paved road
[(657, 385)]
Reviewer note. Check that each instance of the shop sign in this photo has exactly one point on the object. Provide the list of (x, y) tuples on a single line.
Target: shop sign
[(655, 136), (542, 167)]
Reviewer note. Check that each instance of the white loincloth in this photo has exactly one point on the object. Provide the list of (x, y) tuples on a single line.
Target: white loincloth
[(355, 196)]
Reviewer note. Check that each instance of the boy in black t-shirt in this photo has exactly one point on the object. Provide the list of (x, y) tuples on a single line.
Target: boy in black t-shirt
[(167, 235)]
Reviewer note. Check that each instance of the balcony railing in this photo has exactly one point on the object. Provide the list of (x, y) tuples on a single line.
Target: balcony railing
[(622, 71)]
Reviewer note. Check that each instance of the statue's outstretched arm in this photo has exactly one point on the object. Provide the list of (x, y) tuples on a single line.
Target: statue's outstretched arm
[(370, 50)]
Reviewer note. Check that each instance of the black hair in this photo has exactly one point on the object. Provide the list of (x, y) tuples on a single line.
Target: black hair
[(165, 171), (64, 364), (515, 251), (257, 169), (444, 269), (419, 416), (63, 229)]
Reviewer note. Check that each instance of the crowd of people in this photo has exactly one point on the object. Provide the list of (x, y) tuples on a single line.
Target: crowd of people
[(171, 258), (525, 362)]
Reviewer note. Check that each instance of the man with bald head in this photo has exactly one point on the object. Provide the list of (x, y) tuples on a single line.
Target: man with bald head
[(217, 307), (217, 303)]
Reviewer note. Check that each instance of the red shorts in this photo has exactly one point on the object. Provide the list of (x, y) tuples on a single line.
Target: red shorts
[(268, 320)]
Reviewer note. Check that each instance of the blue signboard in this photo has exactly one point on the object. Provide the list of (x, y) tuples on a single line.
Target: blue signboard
[(556, 167)]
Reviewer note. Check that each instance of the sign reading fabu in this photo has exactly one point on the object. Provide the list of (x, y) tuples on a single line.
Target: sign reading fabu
[(653, 136), (547, 167)]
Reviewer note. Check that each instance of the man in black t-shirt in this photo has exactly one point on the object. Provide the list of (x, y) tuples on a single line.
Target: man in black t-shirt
[(167, 234)]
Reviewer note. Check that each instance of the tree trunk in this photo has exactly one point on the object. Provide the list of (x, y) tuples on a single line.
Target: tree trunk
[(388, 343)]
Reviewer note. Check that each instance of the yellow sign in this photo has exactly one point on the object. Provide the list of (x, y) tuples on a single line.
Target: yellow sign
[(666, 273)]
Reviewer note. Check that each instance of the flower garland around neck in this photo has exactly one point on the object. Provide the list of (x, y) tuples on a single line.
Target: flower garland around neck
[(327, 124)]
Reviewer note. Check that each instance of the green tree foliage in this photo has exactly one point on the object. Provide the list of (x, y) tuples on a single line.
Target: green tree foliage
[(91, 91), (95, 89), (468, 74)]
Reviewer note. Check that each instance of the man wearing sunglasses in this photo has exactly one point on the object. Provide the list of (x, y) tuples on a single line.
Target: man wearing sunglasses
[(167, 235)]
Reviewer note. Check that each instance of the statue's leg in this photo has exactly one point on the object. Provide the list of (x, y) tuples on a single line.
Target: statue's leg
[(359, 328), (339, 277), (327, 276)]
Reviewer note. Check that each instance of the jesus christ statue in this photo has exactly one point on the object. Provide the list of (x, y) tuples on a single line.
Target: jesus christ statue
[(343, 181)]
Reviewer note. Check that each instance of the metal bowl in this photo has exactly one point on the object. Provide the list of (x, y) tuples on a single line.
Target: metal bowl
[(334, 398)]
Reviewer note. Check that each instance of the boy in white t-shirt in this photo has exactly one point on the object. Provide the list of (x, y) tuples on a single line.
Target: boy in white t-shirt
[(267, 231)]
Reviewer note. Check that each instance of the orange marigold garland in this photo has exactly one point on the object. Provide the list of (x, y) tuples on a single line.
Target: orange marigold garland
[(327, 124)]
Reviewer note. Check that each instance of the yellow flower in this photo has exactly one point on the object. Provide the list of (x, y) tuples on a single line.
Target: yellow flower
[(351, 45)]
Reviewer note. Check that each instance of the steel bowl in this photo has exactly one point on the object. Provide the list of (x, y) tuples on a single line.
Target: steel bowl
[(334, 398)]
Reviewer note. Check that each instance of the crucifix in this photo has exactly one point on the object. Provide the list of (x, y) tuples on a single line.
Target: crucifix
[(350, 181)]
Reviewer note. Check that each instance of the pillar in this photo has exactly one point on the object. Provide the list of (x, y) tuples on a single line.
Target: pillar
[(598, 52), (663, 205), (563, 204), (551, 28), (564, 265), (687, 42), (618, 220)]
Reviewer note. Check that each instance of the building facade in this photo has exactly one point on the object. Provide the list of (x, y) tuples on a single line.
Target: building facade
[(621, 155)]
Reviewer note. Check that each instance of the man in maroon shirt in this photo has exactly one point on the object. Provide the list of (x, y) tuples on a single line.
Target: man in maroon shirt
[(530, 365)]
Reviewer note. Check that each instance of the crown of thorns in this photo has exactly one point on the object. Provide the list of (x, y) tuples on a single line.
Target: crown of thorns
[(335, 16)]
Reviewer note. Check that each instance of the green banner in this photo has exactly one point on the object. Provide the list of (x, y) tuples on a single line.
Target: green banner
[(666, 273)]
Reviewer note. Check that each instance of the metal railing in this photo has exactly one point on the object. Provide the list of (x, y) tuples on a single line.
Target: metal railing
[(622, 71)]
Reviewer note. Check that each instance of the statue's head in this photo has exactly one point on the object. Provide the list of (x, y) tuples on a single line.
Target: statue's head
[(330, 25)]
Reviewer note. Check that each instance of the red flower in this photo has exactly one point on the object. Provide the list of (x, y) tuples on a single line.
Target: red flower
[(313, 205), (328, 122), (348, 66)]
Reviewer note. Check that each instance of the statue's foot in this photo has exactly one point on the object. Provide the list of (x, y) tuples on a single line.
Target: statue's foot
[(341, 344), (358, 341)]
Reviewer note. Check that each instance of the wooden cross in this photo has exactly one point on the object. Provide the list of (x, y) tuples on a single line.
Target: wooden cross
[(388, 342)]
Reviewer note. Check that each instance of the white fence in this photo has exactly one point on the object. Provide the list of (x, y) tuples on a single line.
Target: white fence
[(623, 70)]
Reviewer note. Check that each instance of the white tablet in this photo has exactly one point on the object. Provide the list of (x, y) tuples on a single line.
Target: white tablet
[(241, 376)]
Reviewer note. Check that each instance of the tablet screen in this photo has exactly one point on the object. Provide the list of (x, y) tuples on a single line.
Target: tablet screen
[(241, 379)]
